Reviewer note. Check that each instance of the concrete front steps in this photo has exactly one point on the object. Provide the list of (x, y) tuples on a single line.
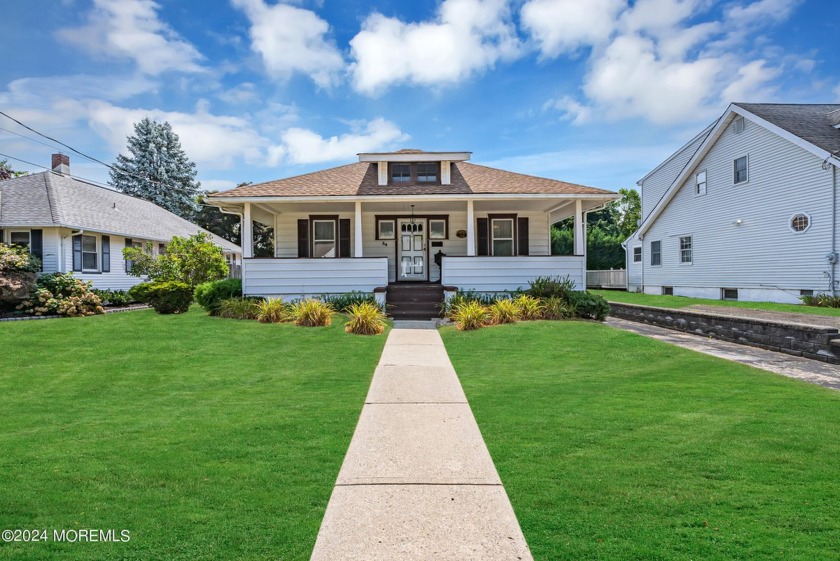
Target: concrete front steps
[(414, 301)]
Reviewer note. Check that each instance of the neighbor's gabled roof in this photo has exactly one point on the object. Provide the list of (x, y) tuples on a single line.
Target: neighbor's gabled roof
[(812, 127), (50, 199), (361, 179)]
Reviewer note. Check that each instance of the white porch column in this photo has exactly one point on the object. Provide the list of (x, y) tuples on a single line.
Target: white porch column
[(358, 234), (580, 237), (470, 229), (247, 232)]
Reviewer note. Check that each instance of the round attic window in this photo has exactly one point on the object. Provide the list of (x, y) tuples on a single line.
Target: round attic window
[(800, 222)]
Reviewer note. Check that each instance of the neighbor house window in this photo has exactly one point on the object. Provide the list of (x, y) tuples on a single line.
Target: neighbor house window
[(740, 170), (386, 230), (502, 231), (637, 254), (427, 173), (739, 125), (667, 291), (700, 183), (656, 253), (437, 229), (90, 254), (728, 293), (800, 222), (685, 249), (323, 238), (19, 238), (400, 173)]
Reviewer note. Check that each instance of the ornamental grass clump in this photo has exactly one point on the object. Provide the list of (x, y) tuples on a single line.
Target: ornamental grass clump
[(272, 310), (503, 311), (469, 315), (365, 318), (311, 313), (556, 308), (239, 308), (530, 308)]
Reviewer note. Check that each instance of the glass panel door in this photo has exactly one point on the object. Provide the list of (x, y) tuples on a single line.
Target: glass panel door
[(412, 250)]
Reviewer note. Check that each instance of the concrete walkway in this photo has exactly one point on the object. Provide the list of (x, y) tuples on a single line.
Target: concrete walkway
[(812, 371), (418, 482)]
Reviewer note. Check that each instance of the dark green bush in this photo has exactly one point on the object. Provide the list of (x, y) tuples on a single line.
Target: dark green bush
[(209, 295), (113, 297), (588, 306), (551, 287), (139, 292), (169, 297), (341, 302)]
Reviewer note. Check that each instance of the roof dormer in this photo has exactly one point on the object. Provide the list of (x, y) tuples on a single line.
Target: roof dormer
[(412, 166)]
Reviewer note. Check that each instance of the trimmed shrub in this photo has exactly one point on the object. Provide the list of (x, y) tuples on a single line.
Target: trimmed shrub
[(239, 308), (556, 308), (548, 287), (64, 295), (169, 297), (530, 308), (365, 318), (209, 295), (588, 306), (343, 302), (311, 313), (272, 310), (113, 297), (139, 292), (503, 311), (469, 315)]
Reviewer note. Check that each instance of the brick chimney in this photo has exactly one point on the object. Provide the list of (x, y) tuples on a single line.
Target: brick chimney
[(61, 164)]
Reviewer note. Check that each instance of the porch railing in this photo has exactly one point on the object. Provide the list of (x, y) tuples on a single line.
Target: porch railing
[(497, 274), (613, 278), (312, 277)]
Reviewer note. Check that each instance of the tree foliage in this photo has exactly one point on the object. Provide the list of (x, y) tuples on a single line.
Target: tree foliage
[(606, 229), (192, 260), (157, 170), (6, 171)]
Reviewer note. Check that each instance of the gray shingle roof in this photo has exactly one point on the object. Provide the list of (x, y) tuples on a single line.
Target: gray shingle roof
[(51, 199), (813, 123)]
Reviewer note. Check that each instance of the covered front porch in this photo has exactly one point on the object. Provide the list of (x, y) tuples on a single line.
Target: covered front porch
[(486, 244)]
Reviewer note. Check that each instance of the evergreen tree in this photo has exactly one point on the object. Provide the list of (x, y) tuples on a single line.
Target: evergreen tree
[(157, 170)]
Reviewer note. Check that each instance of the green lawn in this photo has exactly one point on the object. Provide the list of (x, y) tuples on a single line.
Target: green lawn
[(622, 296), (616, 447), (206, 438)]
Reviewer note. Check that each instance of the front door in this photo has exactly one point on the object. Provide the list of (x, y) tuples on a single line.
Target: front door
[(411, 254)]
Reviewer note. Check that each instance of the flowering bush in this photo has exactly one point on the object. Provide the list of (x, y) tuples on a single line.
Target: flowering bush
[(16, 258), (64, 295)]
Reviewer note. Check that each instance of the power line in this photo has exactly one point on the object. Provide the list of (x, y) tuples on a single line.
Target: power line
[(91, 181), (27, 137)]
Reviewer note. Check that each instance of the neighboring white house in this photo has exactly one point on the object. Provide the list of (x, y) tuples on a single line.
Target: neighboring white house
[(746, 210), (75, 226), (388, 217)]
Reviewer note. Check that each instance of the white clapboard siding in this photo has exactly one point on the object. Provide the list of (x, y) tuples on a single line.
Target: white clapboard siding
[(312, 277), (116, 279), (496, 274), (634, 270), (761, 255)]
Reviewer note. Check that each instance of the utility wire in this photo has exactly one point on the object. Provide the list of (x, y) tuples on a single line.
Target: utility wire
[(91, 181), (27, 137)]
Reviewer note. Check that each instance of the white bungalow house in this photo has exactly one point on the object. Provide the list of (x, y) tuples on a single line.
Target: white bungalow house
[(746, 210), (76, 226), (409, 217)]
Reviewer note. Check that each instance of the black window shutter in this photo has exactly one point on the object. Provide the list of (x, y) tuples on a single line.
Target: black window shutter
[(128, 243), (106, 254), (303, 237), (77, 253), (36, 245), (344, 237), (483, 237), (1, 235), (522, 236)]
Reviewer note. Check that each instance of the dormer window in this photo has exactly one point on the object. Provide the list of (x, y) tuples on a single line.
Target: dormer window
[(427, 173), (400, 173)]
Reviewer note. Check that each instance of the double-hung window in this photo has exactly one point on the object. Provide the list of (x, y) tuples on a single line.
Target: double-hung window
[(686, 250), (656, 253), (323, 238), (700, 183), (502, 236), (740, 170), (637, 254), (90, 254)]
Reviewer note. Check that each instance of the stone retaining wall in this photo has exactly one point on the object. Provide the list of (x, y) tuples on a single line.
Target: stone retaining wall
[(815, 342)]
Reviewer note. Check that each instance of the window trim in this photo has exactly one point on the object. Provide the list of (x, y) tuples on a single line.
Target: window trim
[(791, 219), (328, 218), (640, 256), (657, 253), (97, 252), (27, 232), (690, 250), (416, 173), (491, 238), (697, 192), (445, 229), (723, 294), (379, 222), (746, 159), (392, 166)]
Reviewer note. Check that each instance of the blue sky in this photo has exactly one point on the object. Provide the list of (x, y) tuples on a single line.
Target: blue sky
[(596, 92)]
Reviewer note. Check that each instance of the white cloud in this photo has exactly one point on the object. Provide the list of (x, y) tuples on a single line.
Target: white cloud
[(466, 37), (239, 94), (306, 147), (560, 26), (762, 10), (291, 39), (752, 83), (131, 29), (571, 109)]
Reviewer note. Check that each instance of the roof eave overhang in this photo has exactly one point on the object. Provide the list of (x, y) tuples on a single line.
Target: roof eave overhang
[(415, 157), (402, 198)]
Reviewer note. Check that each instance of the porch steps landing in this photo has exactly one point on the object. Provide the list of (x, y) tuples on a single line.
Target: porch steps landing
[(414, 301)]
